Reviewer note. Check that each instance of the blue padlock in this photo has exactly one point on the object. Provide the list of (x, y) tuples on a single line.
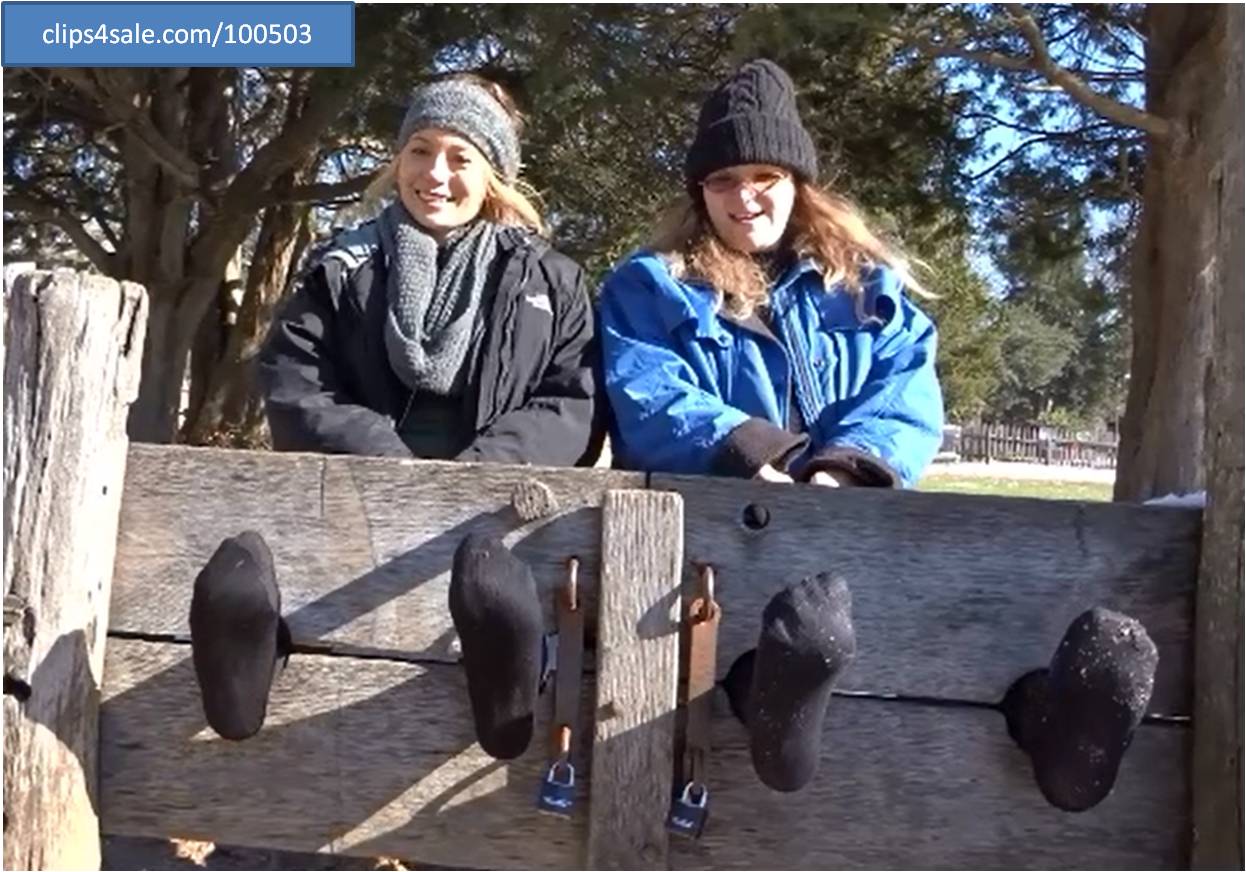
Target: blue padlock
[(557, 795), (689, 810)]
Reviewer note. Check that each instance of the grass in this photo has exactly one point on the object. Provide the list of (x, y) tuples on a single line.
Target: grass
[(1011, 487)]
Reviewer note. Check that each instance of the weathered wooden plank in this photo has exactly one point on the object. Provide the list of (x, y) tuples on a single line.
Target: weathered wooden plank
[(954, 596), (362, 757), (638, 669), (73, 351), (376, 757), (362, 546), (143, 852), (903, 785), (1218, 721)]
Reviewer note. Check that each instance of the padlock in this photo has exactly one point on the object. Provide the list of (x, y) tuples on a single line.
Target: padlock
[(689, 810), (557, 795)]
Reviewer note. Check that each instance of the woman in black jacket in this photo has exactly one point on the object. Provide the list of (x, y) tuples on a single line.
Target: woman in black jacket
[(445, 328)]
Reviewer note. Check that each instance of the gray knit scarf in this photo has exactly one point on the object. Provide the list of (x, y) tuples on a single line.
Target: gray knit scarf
[(432, 305)]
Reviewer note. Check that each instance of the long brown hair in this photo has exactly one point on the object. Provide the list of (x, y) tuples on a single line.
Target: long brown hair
[(824, 226), (512, 203)]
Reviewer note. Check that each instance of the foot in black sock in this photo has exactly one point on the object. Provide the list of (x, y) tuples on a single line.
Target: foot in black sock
[(497, 613), (236, 634), (739, 685), (806, 640), (1076, 718)]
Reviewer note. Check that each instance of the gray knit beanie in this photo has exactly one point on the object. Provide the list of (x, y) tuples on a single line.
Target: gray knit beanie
[(469, 110)]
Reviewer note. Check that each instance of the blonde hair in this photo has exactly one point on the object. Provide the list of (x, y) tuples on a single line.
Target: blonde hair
[(513, 203), (824, 226)]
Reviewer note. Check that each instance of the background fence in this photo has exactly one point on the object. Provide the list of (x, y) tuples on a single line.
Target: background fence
[(1033, 443)]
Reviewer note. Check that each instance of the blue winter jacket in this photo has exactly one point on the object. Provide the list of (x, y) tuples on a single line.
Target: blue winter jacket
[(693, 391)]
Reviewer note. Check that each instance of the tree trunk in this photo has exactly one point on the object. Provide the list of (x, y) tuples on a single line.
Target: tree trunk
[(1217, 764), (211, 346), (223, 418), (173, 320), (1174, 275), (205, 354)]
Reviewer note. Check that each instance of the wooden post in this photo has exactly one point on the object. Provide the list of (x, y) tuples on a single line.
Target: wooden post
[(637, 675), (73, 346), (1217, 763)]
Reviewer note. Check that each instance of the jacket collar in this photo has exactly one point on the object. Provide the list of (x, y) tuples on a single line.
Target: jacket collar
[(519, 238), (781, 292), (700, 303)]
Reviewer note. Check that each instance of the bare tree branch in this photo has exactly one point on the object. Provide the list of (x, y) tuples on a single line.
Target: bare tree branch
[(328, 97), (105, 226), (325, 102), (949, 47), (138, 123), (1040, 60), (107, 151), (274, 100), (1009, 156), (40, 210), (1023, 128), (1041, 63), (324, 192)]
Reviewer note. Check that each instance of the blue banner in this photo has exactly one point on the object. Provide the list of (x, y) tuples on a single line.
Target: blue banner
[(47, 34)]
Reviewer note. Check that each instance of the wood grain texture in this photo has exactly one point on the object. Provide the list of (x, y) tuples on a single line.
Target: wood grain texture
[(362, 546), (1217, 772), (902, 785), (954, 596), (374, 757), (362, 757), (637, 673), (73, 346)]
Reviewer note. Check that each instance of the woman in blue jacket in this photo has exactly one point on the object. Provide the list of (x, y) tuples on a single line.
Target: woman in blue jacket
[(767, 334)]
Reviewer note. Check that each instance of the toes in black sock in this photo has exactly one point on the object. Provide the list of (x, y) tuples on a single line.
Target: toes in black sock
[(806, 640), (1076, 718), (497, 613), (236, 634)]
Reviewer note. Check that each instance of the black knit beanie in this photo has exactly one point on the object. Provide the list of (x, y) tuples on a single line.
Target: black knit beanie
[(751, 118)]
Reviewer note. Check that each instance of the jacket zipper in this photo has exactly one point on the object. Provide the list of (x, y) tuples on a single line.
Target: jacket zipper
[(772, 337), (504, 332), (804, 393)]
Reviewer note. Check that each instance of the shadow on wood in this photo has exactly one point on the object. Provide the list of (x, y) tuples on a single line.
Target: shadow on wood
[(328, 519), (369, 747), (371, 757), (420, 772), (954, 596), (58, 697)]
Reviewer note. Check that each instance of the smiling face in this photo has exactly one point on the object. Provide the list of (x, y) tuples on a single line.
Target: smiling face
[(442, 180), (749, 205)]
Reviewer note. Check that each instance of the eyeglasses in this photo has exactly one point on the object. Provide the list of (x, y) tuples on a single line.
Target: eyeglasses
[(757, 183)]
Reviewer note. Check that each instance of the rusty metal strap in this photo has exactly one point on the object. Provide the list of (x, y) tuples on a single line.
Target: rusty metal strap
[(570, 663), (704, 616)]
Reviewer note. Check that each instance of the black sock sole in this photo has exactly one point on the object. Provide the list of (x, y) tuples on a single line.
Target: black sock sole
[(806, 640), (738, 685), (1076, 718), (237, 635), (497, 614)]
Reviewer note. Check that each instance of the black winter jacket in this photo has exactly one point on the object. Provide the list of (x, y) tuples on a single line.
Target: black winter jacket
[(531, 390)]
